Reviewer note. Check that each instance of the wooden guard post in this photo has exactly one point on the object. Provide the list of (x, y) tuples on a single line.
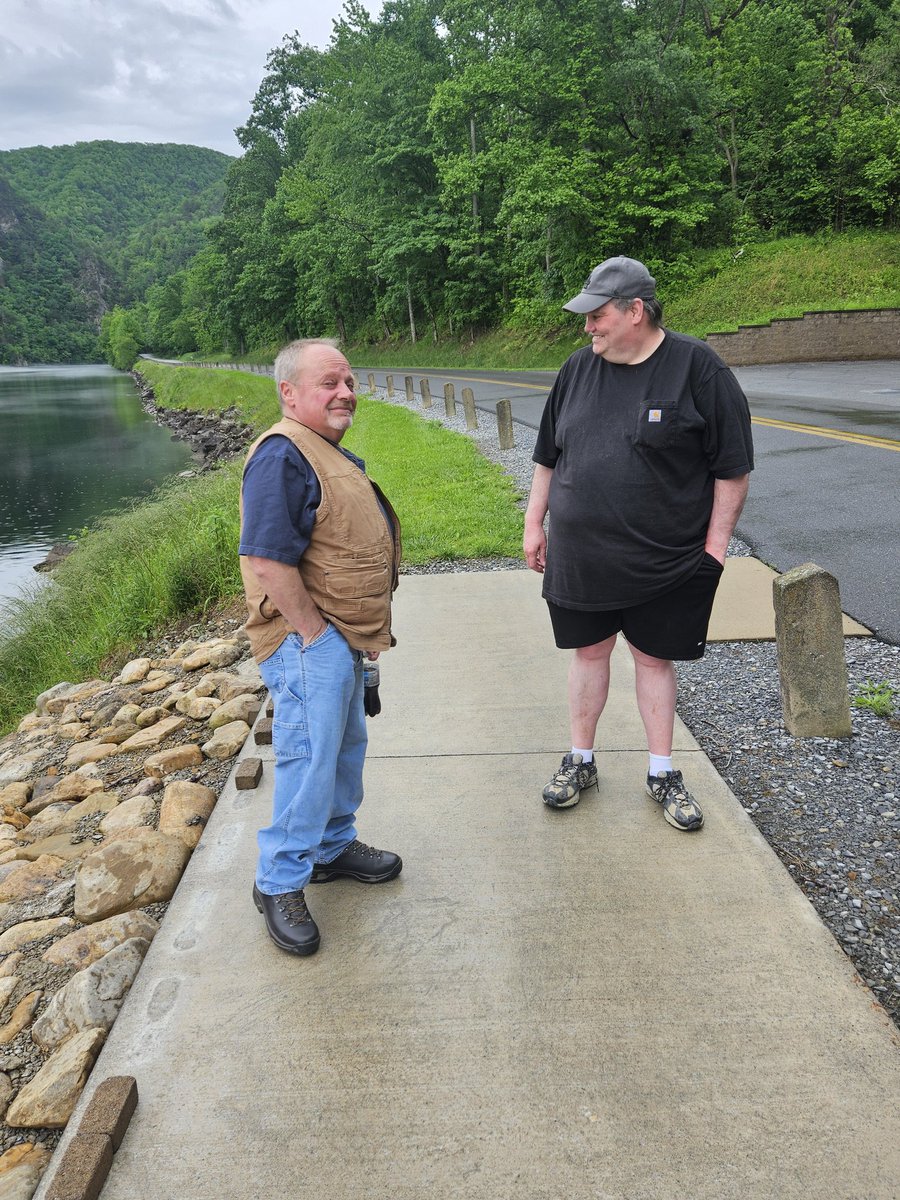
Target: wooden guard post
[(505, 425), (469, 408)]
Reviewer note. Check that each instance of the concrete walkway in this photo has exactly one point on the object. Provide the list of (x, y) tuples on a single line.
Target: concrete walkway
[(580, 1005)]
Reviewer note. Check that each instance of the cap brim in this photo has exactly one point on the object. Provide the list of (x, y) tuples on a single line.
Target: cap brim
[(584, 302)]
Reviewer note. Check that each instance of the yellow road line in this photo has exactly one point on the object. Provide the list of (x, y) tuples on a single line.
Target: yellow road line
[(862, 439)]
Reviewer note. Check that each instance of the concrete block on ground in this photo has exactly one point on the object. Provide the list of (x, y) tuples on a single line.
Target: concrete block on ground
[(111, 1108), (248, 774), (84, 1167), (263, 731), (810, 646)]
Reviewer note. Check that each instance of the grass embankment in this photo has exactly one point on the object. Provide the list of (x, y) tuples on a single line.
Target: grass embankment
[(176, 554), (714, 292), (762, 282), (213, 391)]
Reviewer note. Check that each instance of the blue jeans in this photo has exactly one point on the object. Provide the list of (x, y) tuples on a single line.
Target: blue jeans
[(319, 738)]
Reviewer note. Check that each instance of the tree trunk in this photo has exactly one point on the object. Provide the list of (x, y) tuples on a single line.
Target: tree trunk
[(434, 328), (474, 194), (412, 319), (730, 150)]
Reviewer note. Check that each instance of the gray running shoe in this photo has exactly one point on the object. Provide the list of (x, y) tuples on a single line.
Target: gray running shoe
[(679, 806), (563, 790)]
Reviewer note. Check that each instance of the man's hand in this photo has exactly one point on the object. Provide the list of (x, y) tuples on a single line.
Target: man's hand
[(535, 547), (311, 636)]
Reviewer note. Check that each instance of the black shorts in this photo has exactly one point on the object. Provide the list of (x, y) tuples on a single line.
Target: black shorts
[(671, 626)]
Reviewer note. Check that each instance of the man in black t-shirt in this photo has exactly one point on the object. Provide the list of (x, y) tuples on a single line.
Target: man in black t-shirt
[(642, 461)]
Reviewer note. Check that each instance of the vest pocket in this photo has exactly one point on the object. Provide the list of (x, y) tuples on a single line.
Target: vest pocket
[(356, 580)]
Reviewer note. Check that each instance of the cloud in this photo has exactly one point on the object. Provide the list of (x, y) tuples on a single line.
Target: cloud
[(141, 70)]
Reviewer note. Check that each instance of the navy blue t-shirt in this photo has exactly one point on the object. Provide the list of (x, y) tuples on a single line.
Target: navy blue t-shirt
[(281, 494)]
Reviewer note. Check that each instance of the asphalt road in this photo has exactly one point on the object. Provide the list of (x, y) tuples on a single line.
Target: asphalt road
[(826, 488)]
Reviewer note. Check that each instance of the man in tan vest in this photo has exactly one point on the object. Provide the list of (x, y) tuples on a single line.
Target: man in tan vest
[(320, 552)]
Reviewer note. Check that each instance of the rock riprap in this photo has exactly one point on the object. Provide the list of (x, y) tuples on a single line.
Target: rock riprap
[(105, 790)]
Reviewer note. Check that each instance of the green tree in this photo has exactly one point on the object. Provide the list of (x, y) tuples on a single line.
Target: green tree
[(121, 338)]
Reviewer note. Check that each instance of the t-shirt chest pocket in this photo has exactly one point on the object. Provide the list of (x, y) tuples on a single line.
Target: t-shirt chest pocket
[(657, 426)]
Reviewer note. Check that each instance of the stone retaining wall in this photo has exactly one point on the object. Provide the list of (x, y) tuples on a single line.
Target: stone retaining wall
[(105, 789), (815, 337)]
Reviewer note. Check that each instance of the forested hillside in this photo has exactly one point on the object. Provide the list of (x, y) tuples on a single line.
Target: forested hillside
[(86, 227), (51, 287), (457, 164)]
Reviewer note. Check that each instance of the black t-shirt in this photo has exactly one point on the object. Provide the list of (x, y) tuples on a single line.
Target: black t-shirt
[(635, 452)]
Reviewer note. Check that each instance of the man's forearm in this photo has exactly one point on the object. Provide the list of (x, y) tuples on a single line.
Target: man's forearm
[(535, 542), (539, 496), (728, 502), (284, 587)]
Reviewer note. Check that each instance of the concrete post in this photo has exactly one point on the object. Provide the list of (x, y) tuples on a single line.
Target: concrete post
[(449, 400), (425, 389), (469, 409), (389, 380), (505, 425), (410, 394), (810, 642), (371, 382)]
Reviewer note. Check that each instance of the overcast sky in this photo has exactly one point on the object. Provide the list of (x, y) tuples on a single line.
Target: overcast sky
[(142, 70)]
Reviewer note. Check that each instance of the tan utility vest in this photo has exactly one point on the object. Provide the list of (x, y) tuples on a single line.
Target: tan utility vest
[(351, 565)]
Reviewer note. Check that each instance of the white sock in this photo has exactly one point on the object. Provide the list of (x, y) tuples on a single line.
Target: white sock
[(586, 755), (659, 763)]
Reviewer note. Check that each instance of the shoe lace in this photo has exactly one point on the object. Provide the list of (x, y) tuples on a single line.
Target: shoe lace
[(567, 771), (672, 788), (359, 847), (293, 905)]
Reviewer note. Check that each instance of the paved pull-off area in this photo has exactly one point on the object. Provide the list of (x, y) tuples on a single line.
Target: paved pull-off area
[(545, 1005)]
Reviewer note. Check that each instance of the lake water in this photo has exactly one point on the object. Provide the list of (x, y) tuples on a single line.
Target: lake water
[(74, 444)]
